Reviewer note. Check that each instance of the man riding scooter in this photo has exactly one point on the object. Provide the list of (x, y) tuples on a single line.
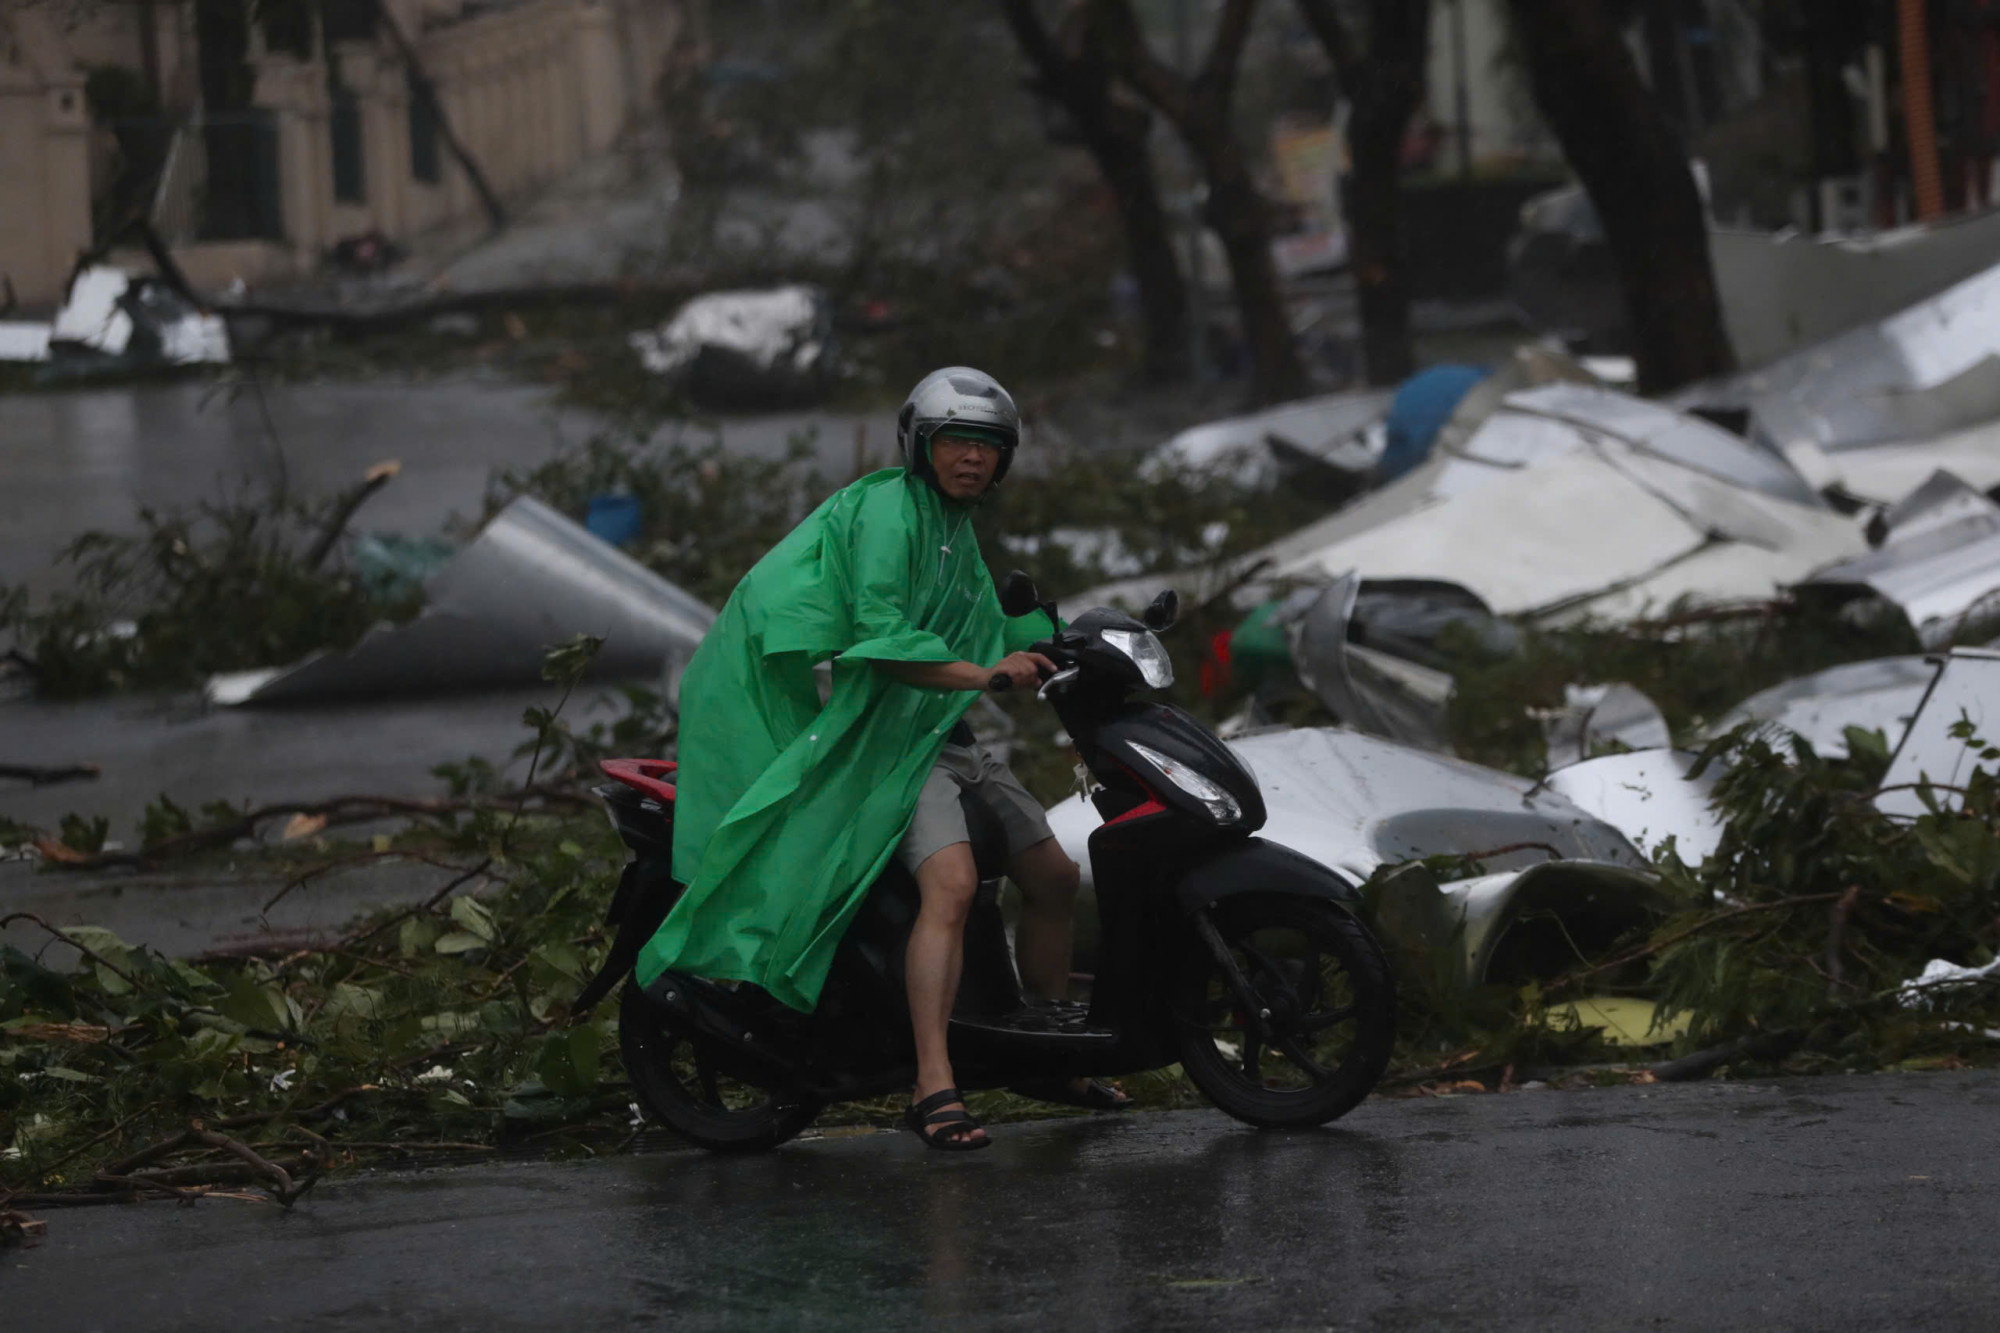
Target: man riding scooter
[(791, 803)]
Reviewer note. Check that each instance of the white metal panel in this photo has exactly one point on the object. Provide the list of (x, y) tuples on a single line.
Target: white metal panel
[(1967, 689)]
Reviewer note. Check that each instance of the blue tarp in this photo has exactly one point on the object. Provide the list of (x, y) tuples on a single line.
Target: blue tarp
[(1418, 412)]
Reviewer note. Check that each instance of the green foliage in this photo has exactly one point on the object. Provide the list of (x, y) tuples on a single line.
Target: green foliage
[(708, 514), (1816, 907), (220, 587), (448, 1019), (85, 833), (1695, 672)]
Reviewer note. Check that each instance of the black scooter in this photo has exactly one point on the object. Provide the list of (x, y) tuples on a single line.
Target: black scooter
[(1234, 957)]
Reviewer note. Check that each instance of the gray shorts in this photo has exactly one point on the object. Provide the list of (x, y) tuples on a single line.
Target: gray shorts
[(940, 820)]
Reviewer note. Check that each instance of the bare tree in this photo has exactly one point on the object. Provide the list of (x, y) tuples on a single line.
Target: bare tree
[(1074, 71), (1199, 109), (1622, 147), (1381, 73)]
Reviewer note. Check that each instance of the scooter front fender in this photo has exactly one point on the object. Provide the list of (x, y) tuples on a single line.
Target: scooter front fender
[(1256, 866)]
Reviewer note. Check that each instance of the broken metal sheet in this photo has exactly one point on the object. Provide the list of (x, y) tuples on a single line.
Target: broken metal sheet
[(24, 340), (1678, 437), (1879, 695), (1355, 803), (140, 321), (1369, 651), (1885, 473), (529, 580), (1926, 370), (1783, 291), (1563, 500), (745, 346), (1554, 878), (1966, 689), (1333, 429), (1941, 979), (91, 314), (1369, 690), (1560, 529), (1649, 796), (1940, 564), (1593, 716)]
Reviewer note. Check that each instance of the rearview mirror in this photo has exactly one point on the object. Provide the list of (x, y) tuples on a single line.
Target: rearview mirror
[(1164, 611), (1018, 594)]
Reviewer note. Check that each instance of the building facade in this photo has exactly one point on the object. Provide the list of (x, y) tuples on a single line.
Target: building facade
[(255, 138)]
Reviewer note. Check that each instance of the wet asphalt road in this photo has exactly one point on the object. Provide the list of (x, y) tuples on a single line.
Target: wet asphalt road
[(1825, 1204), (84, 459)]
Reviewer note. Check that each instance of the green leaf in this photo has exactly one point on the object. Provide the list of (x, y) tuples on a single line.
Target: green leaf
[(349, 999), (254, 1005), (568, 1061), (70, 1075), (472, 915), (418, 934), (458, 941), (570, 659), (101, 941)]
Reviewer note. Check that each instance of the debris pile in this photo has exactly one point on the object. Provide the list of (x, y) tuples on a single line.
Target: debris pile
[(529, 579), (746, 348), (111, 322)]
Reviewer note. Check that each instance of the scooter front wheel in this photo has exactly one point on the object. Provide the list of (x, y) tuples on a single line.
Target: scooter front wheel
[(685, 1088), (1326, 1020)]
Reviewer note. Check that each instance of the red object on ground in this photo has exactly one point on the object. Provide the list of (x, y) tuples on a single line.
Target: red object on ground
[(647, 776), (1215, 667)]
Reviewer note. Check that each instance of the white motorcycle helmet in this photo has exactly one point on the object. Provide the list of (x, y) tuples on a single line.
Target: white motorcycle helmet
[(955, 396)]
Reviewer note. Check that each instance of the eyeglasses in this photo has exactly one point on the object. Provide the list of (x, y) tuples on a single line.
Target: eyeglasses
[(968, 442)]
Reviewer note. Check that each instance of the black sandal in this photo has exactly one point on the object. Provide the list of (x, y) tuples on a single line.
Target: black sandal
[(947, 1131)]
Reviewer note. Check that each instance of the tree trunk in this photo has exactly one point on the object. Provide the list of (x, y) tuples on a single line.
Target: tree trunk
[(1149, 249), (1200, 110), (1636, 170), (1375, 254), (1241, 217), (1383, 85), (1077, 75)]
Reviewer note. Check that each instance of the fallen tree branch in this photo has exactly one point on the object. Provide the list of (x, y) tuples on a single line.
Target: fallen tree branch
[(1836, 937), (342, 863), (287, 1192), (336, 523), (1646, 951), (41, 775), (337, 810), (354, 941), (18, 1228), (1756, 1046), (80, 1150), (86, 951), (186, 1194)]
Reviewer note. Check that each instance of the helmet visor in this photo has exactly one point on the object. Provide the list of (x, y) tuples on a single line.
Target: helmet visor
[(969, 434)]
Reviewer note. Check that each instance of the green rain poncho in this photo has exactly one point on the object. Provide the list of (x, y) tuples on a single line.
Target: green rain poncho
[(788, 810)]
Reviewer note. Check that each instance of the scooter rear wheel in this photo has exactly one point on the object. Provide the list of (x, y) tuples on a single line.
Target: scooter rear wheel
[(1331, 1000), (684, 1089)]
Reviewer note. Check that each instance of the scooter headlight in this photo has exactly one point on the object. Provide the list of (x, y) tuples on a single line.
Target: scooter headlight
[(1143, 647), (1219, 802)]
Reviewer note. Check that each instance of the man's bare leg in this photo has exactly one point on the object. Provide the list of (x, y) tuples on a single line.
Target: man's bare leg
[(946, 882), (1044, 935)]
